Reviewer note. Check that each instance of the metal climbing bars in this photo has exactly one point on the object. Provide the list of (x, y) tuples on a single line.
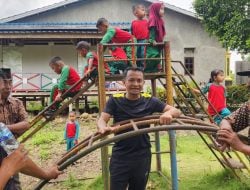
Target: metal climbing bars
[(93, 141)]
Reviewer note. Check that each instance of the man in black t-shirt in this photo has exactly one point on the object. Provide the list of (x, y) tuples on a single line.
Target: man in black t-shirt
[(131, 158)]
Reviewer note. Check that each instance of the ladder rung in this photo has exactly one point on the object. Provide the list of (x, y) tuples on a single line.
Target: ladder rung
[(217, 148), (178, 83), (162, 152), (189, 99), (234, 163), (198, 116)]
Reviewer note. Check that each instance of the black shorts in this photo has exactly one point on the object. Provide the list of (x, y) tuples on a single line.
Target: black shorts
[(130, 173)]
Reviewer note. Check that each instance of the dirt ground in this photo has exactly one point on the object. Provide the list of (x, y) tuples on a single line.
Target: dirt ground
[(87, 167)]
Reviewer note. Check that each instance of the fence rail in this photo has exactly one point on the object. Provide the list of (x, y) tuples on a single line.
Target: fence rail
[(33, 81), (43, 82)]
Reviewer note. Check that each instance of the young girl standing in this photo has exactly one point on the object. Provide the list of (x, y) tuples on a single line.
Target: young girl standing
[(156, 34), (216, 96), (139, 29), (71, 131)]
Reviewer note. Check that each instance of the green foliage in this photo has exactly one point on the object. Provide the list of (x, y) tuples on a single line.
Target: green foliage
[(49, 137), (237, 94), (197, 169), (228, 20), (223, 180), (33, 106), (72, 182), (156, 182), (44, 151), (96, 184), (247, 57), (160, 92), (44, 154)]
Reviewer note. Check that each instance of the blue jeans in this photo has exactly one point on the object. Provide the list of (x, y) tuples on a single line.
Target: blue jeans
[(70, 143), (141, 53)]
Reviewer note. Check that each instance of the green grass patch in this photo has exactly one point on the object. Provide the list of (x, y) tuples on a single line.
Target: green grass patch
[(73, 183), (197, 169), (97, 183), (222, 180), (197, 166), (34, 106), (156, 182), (44, 154), (46, 137)]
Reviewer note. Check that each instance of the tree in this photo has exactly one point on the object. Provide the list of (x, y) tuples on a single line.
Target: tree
[(229, 20)]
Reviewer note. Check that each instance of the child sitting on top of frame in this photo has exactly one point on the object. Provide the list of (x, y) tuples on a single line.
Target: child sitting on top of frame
[(91, 69), (115, 35), (139, 29)]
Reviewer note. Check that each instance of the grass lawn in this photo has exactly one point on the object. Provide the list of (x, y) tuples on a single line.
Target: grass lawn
[(198, 169)]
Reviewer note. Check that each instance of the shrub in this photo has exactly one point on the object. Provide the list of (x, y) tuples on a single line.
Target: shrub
[(34, 106), (237, 95), (72, 182), (160, 92)]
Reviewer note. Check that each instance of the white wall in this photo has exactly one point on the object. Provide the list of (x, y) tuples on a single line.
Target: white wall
[(36, 57), (187, 32)]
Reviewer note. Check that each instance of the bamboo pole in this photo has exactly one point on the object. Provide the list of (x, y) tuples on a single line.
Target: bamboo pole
[(102, 102)]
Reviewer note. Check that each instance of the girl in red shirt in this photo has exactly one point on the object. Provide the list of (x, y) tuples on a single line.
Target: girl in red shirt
[(217, 96), (71, 131)]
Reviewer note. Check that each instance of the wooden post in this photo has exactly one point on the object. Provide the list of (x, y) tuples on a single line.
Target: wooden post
[(168, 68), (25, 102), (77, 102), (102, 102), (43, 101), (133, 53)]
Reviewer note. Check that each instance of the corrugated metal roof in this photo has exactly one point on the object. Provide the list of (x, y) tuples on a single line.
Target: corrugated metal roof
[(67, 2), (52, 26)]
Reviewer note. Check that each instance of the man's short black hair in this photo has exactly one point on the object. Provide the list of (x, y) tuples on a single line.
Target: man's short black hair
[(132, 69), (83, 45), (1, 75), (101, 21), (55, 59), (5, 73)]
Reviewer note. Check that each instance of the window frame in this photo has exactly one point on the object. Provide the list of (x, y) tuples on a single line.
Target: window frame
[(188, 68)]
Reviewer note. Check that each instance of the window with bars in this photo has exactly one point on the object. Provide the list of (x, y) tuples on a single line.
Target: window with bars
[(189, 64)]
